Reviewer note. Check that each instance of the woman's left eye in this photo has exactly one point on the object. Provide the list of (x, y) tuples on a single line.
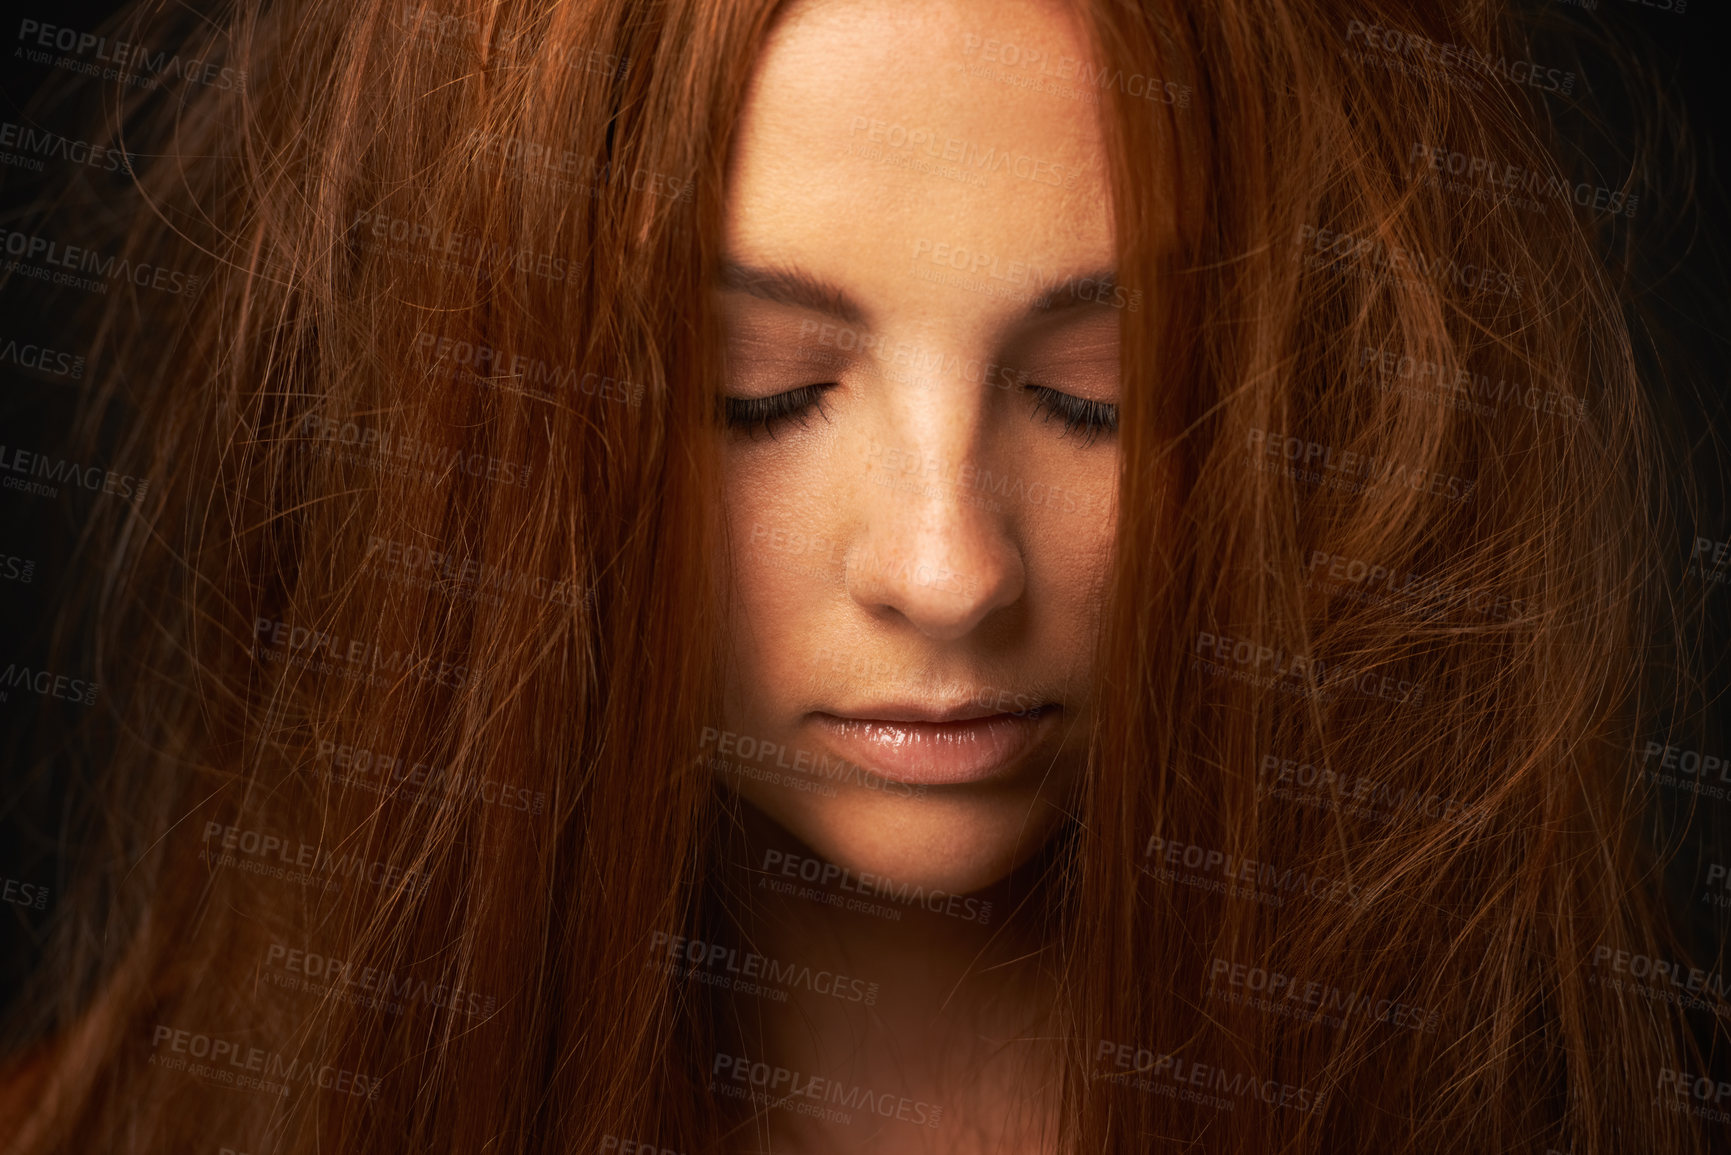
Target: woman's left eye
[(767, 414), (1089, 420)]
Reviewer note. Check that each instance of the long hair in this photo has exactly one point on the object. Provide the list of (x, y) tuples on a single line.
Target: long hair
[(407, 646)]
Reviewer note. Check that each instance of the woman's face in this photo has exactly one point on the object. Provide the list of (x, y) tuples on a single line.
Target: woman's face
[(921, 467)]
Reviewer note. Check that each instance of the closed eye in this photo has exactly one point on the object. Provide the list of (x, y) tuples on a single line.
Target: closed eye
[(1088, 420), (752, 415)]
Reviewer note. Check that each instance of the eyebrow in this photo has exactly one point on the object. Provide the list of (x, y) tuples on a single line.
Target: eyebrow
[(1067, 294), (794, 288), (798, 289)]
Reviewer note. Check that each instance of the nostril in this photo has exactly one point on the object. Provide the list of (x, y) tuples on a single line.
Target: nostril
[(946, 589)]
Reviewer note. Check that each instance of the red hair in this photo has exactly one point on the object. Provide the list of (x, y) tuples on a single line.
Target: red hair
[(443, 317)]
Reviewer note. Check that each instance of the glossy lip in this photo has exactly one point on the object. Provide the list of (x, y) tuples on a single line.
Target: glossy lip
[(936, 747)]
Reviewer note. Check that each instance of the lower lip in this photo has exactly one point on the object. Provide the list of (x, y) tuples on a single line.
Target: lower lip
[(937, 753)]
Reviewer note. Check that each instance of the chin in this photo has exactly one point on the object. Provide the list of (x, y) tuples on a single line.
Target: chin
[(956, 840)]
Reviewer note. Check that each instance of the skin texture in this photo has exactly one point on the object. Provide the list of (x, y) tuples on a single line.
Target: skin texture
[(875, 558), (933, 534)]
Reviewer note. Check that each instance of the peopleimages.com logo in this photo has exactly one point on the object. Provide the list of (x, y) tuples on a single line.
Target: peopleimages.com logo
[(829, 874), (1175, 1077), (247, 1067), (36, 473), (25, 146), (1512, 184), (34, 896), (359, 659), (276, 856), (815, 1095), (47, 684), (49, 259), (747, 972), (89, 54), (1455, 63), (298, 968)]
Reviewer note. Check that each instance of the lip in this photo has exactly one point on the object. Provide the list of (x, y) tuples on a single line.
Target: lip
[(936, 747)]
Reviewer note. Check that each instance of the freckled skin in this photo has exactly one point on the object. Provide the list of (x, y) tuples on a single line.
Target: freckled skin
[(915, 253), (933, 532)]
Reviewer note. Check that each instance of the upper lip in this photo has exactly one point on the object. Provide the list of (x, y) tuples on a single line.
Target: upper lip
[(965, 710)]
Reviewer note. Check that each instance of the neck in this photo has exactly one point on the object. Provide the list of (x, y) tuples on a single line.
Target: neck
[(903, 1028)]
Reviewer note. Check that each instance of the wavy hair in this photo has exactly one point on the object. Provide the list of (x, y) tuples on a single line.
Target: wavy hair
[(409, 642)]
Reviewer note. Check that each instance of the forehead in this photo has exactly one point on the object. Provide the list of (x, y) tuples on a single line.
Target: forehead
[(877, 133)]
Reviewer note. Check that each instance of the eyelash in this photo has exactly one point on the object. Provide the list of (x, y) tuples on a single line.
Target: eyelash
[(1089, 419), (752, 414)]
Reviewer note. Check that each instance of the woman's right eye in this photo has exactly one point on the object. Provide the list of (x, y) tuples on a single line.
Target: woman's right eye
[(754, 414)]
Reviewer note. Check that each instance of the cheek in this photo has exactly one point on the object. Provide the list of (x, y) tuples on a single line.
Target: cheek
[(1074, 561), (776, 575), (1072, 521), (756, 537)]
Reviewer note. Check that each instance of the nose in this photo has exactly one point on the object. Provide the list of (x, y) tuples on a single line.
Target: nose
[(934, 550)]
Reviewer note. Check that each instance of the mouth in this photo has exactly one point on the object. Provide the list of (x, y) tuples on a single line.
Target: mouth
[(929, 747)]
